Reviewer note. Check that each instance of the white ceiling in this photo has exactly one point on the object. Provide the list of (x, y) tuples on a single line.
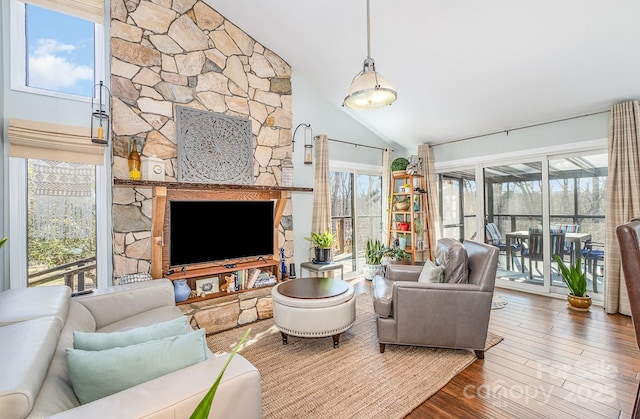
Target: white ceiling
[(461, 67)]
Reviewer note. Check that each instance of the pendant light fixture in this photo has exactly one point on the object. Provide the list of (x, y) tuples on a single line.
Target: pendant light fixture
[(369, 90)]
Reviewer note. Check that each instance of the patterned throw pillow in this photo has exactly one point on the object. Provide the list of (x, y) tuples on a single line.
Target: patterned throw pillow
[(139, 277)]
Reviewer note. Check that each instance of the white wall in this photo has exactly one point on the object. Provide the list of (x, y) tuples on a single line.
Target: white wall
[(571, 131)]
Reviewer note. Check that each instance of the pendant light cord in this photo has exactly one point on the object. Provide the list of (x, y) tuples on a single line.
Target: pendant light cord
[(368, 32)]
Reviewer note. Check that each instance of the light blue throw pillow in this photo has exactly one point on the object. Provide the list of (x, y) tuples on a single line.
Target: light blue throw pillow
[(99, 341), (97, 374)]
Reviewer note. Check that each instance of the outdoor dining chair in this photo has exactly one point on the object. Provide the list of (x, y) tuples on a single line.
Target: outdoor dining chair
[(494, 237), (535, 249)]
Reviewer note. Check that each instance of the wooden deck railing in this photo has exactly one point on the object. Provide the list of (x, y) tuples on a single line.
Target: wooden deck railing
[(71, 274)]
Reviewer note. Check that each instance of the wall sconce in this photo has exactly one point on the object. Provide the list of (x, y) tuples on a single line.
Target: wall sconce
[(100, 126), (308, 146), (308, 151)]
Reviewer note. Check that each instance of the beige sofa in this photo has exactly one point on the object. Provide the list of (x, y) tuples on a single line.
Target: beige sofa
[(36, 327)]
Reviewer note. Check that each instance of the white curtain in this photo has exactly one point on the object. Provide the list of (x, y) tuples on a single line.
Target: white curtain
[(623, 197)]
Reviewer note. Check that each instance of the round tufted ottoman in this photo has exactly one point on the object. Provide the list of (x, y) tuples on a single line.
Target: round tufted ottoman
[(313, 307)]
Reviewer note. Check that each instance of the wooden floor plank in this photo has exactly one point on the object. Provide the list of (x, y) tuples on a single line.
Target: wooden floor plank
[(595, 354)]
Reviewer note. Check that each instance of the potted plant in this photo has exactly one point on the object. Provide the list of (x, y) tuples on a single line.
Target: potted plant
[(399, 165), (402, 203), (322, 243), (372, 259), (576, 281), (402, 237), (389, 253)]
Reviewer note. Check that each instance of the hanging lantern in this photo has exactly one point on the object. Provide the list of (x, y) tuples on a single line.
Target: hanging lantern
[(100, 106)]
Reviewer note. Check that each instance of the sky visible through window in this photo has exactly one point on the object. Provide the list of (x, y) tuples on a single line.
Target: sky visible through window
[(60, 51)]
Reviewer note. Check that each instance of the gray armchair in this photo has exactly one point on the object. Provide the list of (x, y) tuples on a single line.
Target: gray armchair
[(445, 315)]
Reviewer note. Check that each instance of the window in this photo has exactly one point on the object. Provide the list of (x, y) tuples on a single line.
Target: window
[(58, 207), (53, 52), (61, 224), (356, 212), (559, 194)]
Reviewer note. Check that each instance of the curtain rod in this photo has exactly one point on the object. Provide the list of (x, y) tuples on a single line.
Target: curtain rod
[(356, 144), (519, 128)]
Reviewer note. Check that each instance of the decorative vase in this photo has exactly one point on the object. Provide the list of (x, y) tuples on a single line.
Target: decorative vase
[(322, 255), (402, 206), (181, 290), (402, 242), (404, 226), (134, 162), (579, 303)]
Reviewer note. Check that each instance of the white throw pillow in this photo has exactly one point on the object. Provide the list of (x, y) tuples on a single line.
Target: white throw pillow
[(430, 273)]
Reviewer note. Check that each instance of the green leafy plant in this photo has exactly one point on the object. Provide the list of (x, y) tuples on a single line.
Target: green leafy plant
[(204, 407), (393, 252), (399, 163), (322, 240), (2, 241), (573, 276), (372, 254)]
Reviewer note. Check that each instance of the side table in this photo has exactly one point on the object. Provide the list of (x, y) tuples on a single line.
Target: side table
[(321, 267)]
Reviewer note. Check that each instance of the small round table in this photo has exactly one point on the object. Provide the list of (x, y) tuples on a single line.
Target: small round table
[(313, 307)]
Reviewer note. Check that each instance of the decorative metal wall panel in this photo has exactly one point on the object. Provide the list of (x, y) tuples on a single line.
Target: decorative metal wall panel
[(214, 148)]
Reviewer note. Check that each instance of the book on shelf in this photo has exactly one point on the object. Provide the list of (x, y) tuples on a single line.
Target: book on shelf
[(266, 280), (242, 279), (252, 274)]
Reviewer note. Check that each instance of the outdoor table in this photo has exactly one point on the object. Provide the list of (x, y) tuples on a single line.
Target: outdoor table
[(575, 240)]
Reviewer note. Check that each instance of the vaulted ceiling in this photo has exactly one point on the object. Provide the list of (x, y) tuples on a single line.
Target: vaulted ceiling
[(461, 67)]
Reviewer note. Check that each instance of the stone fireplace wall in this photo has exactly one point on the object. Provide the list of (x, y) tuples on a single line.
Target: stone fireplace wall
[(182, 52)]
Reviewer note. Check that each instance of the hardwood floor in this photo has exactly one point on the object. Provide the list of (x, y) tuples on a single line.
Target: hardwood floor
[(553, 362)]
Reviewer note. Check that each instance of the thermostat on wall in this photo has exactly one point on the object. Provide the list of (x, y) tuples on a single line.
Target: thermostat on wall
[(152, 168)]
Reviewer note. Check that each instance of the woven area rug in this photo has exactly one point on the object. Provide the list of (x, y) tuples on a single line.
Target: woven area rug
[(308, 378)]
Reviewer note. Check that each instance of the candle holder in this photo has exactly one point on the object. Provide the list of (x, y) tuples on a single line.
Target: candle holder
[(100, 105)]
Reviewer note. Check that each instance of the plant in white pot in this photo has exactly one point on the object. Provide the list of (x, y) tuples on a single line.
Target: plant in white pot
[(372, 259), (576, 281)]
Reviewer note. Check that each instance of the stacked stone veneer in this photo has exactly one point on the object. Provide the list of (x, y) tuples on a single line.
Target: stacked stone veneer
[(230, 311), (182, 52)]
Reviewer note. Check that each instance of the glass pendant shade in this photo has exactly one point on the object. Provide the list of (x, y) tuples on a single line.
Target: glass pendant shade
[(369, 90)]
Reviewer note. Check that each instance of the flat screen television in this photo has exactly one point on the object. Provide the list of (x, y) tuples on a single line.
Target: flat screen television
[(216, 231)]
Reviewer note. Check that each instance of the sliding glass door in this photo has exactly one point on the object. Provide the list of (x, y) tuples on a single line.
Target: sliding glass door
[(356, 214), (513, 205), (533, 209), (577, 203), (458, 204)]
